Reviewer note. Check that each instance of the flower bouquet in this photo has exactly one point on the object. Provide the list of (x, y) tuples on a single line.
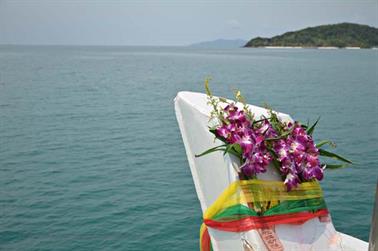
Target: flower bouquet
[(257, 143)]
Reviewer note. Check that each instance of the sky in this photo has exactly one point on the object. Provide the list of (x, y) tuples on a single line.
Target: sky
[(168, 22)]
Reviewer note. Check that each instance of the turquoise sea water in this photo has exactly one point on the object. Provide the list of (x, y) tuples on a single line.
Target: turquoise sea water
[(91, 157)]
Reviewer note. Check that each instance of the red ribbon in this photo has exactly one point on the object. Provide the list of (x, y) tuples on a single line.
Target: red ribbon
[(255, 222), (205, 241)]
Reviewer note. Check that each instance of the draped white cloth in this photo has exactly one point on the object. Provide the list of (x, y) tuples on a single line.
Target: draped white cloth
[(214, 172)]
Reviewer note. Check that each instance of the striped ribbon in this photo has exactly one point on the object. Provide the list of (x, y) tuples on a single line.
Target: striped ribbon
[(254, 204)]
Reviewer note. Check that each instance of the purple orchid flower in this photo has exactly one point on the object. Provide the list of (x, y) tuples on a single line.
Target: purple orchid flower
[(226, 131), (267, 130), (297, 153), (313, 172), (291, 181), (282, 149), (230, 108), (237, 116), (256, 163), (246, 143)]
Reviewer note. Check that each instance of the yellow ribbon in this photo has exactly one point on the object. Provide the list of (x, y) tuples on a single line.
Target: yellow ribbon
[(261, 192)]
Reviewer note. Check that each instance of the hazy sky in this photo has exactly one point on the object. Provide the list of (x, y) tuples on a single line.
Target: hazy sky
[(164, 22)]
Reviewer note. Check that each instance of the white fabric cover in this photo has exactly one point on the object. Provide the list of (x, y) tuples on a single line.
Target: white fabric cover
[(214, 172)]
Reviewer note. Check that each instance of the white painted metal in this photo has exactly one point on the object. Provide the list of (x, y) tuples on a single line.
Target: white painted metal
[(373, 240)]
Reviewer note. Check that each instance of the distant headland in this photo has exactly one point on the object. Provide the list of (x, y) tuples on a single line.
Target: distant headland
[(220, 43), (343, 35)]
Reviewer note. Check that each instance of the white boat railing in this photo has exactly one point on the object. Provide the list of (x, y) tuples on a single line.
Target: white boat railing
[(374, 225)]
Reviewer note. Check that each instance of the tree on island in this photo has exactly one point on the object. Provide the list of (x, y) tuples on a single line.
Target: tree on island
[(333, 35)]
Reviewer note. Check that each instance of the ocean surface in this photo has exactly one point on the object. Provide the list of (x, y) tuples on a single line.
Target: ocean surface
[(91, 157)]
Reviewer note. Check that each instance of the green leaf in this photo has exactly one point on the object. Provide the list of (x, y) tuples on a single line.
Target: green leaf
[(333, 166), (239, 97), (234, 149), (325, 142), (311, 129), (238, 149), (214, 131), (231, 147), (214, 149), (325, 153), (260, 120), (283, 135), (228, 148), (275, 162), (236, 154), (221, 99), (272, 152), (208, 92)]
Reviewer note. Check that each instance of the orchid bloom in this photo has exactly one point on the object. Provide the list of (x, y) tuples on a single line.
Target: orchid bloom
[(291, 181), (296, 152)]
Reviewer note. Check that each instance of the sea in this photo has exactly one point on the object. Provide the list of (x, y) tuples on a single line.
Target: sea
[(91, 157)]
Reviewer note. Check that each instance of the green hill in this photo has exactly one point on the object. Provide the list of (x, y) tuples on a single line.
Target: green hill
[(333, 35)]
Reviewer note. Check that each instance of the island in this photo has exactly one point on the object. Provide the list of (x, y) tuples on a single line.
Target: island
[(343, 35)]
